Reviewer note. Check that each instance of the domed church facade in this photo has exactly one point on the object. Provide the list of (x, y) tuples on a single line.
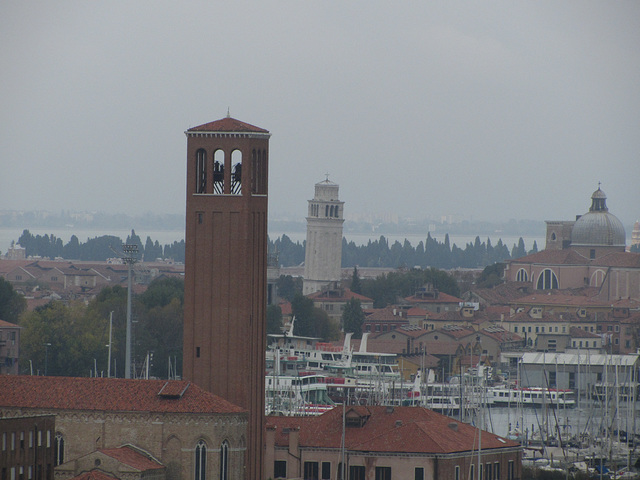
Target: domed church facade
[(587, 252)]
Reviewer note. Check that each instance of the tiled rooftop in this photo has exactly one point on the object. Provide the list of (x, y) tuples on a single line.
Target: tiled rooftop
[(108, 394)]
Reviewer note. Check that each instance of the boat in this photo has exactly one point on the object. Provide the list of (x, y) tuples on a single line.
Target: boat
[(511, 396), (305, 394), (419, 396)]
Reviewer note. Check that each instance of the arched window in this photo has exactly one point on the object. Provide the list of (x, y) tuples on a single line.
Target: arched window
[(201, 171), (336, 212), (547, 280), (522, 276), (236, 173), (59, 449), (200, 470), (331, 211), (597, 278), (224, 461), (218, 172), (326, 210)]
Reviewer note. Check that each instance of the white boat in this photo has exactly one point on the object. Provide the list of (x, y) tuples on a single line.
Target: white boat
[(369, 377), (296, 395), (418, 396), (506, 395)]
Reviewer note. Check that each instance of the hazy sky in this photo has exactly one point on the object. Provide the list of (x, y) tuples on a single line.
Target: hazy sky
[(492, 110)]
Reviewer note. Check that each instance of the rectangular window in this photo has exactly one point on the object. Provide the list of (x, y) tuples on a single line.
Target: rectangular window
[(13, 440), (280, 469), (30, 439), (383, 473), (310, 470), (472, 472), (48, 438), (488, 468), (4, 440), (457, 473), (197, 352), (496, 471), (419, 474), (510, 471), (356, 472), (326, 470), (515, 329)]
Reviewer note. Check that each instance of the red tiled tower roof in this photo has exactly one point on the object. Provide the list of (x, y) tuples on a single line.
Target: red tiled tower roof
[(227, 124), (109, 394)]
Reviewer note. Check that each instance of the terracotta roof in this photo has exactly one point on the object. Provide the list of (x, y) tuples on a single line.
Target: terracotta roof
[(345, 294), (561, 297), (94, 475), (441, 298), (286, 308), (416, 312), (388, 314), (107, 394), (227, 124), (501, 335), (394, 430), (455, 331), (571, 257), (410, 331), (576, 332), (7, 324), (132, 457), (504, 293)]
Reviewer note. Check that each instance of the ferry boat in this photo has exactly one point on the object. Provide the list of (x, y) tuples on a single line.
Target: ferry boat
[(306, 394), (505, 396)]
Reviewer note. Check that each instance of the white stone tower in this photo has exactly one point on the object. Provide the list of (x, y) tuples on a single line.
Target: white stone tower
[(323, 254)]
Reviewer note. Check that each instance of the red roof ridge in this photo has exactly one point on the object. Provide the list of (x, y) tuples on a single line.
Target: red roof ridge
[(228, 124), (109, 394)]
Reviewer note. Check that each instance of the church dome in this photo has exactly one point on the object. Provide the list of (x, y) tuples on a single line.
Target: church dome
[(598, 227)]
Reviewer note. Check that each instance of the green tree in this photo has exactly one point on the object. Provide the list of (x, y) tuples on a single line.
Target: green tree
[(274, 319), (288, 287), (12, 304), (63, 340), (302, 310), (163, 291), (311, 321), (491, 276), (159, 334), (353, 317), (356, 285)]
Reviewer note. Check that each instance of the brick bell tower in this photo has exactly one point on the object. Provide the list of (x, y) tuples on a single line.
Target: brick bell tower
[(226, 269)]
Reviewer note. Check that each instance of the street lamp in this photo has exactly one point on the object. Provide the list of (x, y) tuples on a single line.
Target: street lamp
[(46, 357), (130, 251)]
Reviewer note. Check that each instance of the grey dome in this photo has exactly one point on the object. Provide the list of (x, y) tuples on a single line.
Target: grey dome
[(598, 226)]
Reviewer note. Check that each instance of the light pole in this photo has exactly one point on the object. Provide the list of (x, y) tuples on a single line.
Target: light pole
[(109, 346), (130, 250), (46, 357)]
